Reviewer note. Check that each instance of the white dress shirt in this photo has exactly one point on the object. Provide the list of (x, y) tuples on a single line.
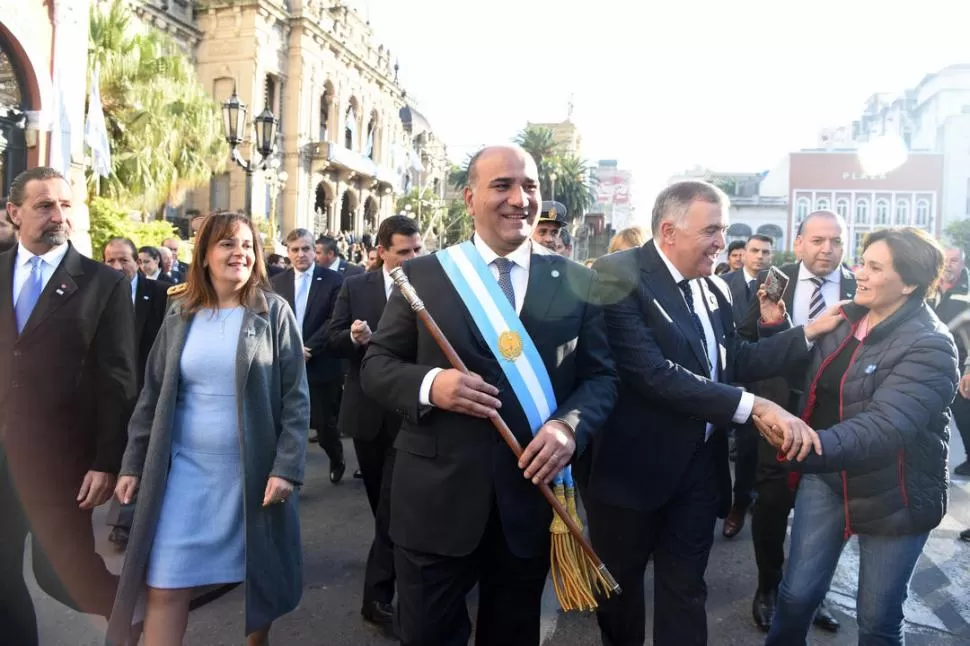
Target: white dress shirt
[(519, 275), (297, 277), (21, 268), (743, 411), (388, 282), (335, 265), (134, 287), (804, 288)]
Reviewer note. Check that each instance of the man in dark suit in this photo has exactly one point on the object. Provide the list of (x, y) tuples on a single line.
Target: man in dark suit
[(180, 270), (660, 473), (819, 281), (67, 387), (743, 284), (328, 255), (312, 291), (373, 429), (149, 299), (461, 511)]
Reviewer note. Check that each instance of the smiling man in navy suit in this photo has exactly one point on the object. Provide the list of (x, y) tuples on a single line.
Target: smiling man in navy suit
[(660, 473)]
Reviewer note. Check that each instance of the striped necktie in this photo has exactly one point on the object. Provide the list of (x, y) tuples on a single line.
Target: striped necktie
[(689, 297), (817, 305)]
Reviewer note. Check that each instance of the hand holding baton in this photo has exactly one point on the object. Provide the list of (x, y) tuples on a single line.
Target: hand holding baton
[(602, 574)]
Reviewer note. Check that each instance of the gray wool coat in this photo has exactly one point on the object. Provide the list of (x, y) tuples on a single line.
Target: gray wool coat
[(274, 416)]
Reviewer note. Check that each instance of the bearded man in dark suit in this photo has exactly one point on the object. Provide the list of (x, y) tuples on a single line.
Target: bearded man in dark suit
[(461, 511), (67, 388)]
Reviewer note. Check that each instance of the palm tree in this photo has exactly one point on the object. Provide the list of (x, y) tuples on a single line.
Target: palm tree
[(540, 142), (458, 175), (163, 128), (575, 185)]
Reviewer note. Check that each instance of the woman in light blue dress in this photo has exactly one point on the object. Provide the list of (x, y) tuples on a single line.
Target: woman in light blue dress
[(217, 447)]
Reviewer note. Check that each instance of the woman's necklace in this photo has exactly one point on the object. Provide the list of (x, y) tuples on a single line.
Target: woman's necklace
[(223, 319)]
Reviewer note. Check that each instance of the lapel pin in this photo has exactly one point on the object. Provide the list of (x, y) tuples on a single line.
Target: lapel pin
[(59, 291), (871, 368), (145, 297), (555, 273), (319, 278)]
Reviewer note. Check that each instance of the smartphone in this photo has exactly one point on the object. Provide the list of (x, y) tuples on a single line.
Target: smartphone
[(775, 284)]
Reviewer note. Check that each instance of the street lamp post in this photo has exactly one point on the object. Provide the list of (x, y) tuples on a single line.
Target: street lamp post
[(265, 124), (275, 181)]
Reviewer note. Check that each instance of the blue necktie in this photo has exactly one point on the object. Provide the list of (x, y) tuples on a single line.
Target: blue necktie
[(29, 293), (689, 297), (504, 266), (301, 298)]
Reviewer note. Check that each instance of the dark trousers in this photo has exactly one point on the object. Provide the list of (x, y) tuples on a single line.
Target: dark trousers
[(678, 536), (769, 522), (431, 593), (324, 408), (745, 464), (376, 459), (961, 415), (65, 562)]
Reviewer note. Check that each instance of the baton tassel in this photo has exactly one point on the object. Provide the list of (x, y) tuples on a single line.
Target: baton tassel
[(578, 574)]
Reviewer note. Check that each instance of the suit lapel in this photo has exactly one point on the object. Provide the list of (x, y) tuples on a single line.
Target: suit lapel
[(58, 291), (255, 322), (286, 287), (792, 272), (143, 303), (670, 297), (312, 298), (713, 308), (8, 320), (543, 285), (376, 295)]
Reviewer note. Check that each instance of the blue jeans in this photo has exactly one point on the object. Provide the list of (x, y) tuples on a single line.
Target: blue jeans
[(886, 564)]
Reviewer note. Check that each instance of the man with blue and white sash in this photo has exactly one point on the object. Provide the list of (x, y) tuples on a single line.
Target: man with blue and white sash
[(524, 321)]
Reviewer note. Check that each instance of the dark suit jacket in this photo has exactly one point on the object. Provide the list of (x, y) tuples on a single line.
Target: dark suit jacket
[(67, 384), (324, 287), (739, 295), (151, 297), (450, 469), (666, 395), (349, 269), (361, 298)]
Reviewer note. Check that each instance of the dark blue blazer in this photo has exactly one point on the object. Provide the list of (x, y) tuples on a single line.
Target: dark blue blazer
[(666, 395)]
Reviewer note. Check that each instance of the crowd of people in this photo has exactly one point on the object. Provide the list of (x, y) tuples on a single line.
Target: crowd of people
[(187, 391)]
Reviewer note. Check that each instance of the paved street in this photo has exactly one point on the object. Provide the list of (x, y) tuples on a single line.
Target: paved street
[(337, 531)]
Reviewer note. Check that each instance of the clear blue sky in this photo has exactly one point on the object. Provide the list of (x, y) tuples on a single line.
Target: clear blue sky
[(662, 86)]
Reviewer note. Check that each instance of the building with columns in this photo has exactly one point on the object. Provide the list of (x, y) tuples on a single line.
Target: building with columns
[(43, 74), (344, 146)]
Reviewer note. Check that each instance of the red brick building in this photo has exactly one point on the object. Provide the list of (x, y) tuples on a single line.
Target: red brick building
[(906, 196)]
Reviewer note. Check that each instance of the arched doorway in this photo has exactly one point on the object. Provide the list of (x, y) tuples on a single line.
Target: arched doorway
[(14, 103), (774, 232), (348, 209), (322, 207), (370, 215)]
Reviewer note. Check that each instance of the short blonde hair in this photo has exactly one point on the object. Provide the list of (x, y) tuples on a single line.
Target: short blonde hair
[(629, 238)]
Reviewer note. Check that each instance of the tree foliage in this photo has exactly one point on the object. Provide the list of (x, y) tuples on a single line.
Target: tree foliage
[(111, 221), (958, 233), (164, 130)]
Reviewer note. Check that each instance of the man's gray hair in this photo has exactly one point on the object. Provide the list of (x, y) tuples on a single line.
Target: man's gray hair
[(674, 201)]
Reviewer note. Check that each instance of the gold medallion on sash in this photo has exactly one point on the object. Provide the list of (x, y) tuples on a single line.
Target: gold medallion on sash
[(510, 345)]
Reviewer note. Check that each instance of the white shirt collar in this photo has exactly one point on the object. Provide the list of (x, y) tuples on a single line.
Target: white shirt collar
[(299, 274), (52, 257), (335, 265), (674, 272), (805, 274), (522, 256), (388, 281)]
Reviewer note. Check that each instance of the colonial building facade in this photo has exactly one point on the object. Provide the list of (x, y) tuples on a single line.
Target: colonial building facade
[(347, 144), (43, 72)]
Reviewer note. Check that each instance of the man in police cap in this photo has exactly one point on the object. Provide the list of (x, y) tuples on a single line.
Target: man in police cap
[(551, 220)]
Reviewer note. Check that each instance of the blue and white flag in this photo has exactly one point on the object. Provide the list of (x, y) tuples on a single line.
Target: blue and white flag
[(95, 131)]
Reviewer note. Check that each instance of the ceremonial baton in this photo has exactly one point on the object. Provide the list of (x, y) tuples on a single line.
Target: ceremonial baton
[(417, 305)]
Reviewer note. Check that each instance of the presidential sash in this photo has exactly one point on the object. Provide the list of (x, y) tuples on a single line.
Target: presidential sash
[(504, 334)]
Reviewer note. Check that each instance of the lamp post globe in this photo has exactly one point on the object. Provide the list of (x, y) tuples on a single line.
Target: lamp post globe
[(234, 119), (265, 125)]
